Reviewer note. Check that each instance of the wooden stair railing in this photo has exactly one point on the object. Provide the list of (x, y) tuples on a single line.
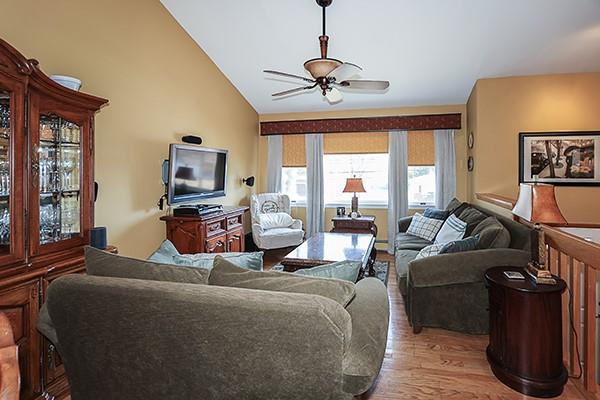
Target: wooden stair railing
[(9, 363), (577, 261)]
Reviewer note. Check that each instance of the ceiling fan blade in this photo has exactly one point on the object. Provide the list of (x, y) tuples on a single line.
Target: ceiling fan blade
[(344, 71), (288, 75), (365, 85), (333, 95), (295, 90)]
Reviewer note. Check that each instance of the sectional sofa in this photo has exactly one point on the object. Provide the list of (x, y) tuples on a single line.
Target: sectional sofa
[(447, 290)]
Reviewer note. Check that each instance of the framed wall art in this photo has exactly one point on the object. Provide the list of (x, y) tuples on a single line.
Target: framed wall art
[(559, 158)]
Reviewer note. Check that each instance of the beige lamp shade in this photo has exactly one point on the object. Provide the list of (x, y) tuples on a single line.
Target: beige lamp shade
[(354, 185), (537, 204)]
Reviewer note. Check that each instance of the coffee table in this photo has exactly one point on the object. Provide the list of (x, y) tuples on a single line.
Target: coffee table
[(328, 247)]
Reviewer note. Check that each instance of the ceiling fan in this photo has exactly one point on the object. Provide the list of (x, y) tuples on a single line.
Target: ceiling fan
[(329, 74)]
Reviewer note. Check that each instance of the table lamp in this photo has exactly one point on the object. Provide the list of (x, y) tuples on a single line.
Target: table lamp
[(537, 204), (354, 185)]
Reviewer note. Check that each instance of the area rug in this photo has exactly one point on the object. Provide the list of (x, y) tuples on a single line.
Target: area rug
[(381, 271), (380, 267)]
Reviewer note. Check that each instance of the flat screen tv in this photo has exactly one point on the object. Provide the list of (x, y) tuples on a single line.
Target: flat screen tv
[(196, 173)]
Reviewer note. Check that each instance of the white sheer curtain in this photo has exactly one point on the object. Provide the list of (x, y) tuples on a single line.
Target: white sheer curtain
[(445, 167), (274, 163), (397, 183), (315, 199)]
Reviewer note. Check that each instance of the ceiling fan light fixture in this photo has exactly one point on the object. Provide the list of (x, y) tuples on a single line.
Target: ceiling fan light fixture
[(321, 67)]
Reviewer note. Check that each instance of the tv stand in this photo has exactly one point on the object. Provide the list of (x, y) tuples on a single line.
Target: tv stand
[(218, 231), (196, 209)]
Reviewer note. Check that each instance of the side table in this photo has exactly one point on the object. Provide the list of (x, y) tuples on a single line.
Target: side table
[(364, 224), (525, 350)]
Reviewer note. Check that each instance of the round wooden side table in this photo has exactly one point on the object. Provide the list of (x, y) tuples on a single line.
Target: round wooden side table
[(525, 350)]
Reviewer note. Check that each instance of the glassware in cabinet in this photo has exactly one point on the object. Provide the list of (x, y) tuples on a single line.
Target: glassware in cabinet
[(59, 179), (5, 170)]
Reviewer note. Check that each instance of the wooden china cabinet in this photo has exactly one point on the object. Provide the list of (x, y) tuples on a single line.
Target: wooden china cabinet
[(46, 204)]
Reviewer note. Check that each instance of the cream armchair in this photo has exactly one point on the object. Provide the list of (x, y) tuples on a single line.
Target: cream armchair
[(279, 230)]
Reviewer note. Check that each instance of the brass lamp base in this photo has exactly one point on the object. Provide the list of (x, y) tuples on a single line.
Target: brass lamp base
[(540, 275)]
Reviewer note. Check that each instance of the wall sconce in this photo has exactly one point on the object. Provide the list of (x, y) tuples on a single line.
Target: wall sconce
[(249, 181)]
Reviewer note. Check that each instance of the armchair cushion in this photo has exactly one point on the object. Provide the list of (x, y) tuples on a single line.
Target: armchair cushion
[(102, 263), (275, 220), (225, 273)]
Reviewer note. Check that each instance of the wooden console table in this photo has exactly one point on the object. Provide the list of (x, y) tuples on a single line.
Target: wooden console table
[(345, 224), (525, 350), (218, 232)]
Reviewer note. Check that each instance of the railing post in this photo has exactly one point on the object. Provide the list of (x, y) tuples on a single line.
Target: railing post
[(589, 340)]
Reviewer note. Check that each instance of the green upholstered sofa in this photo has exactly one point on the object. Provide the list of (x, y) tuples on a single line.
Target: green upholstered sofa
[(448, 291), (133, 339)]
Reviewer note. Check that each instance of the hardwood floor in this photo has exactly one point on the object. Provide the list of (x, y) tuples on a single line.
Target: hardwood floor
[(435, 364)]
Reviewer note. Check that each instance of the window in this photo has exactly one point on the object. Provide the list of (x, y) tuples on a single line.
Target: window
[(340, 161), (421, 185), (372, 168), (293, 183)]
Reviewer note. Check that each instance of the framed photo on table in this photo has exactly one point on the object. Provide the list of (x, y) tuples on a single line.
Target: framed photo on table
[(559, 158)]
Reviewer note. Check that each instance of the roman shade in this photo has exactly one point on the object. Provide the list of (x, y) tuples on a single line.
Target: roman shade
[(420, 146)]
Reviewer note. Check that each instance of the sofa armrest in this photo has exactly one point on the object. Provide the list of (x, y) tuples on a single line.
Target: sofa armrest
[(297, 224), (465, 267), (370, 317), (404, 223)]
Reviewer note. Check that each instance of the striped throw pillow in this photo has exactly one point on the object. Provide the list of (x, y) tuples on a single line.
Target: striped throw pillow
[(423, 227), (453, 229)]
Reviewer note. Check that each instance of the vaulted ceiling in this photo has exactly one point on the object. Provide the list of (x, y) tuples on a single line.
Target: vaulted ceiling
[(432, 51)]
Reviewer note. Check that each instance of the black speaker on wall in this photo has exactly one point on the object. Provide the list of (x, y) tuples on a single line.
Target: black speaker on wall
[(98, 237), (192, 139)]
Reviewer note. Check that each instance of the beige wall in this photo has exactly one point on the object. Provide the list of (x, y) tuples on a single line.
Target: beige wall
[(500, 108), (380, 214), (160, 85)]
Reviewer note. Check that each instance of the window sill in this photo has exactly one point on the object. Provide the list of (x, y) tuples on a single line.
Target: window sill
[(367, 205)]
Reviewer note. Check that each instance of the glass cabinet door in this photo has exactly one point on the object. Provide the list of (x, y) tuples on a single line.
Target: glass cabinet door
[(59, 170)]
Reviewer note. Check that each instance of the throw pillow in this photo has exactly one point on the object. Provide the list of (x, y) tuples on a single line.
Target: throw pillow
[(456, 206), (225, 273), (472, 217), (453, 229), (431, 250), (492, 234), (205, 260), (457, 246), (345, 270), (164, 254), (275, 220), (102, 263), (436, 213), (423, 227)]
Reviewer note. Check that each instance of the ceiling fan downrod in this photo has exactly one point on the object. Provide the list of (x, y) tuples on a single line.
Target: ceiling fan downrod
[(324, 39)]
